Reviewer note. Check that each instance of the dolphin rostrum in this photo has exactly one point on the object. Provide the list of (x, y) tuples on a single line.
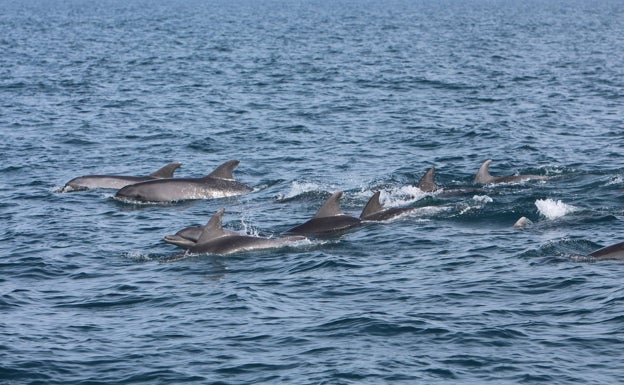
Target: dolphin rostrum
[(374, 211), (214, 239), (186, 237), (329, 221), (218, 184), (90, 182), (615, 251), (483, 176)]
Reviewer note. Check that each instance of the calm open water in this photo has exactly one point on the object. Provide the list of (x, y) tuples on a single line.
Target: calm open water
[(313, 97)]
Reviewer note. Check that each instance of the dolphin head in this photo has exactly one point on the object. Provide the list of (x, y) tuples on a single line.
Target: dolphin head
[(132, 193), (179, 241)]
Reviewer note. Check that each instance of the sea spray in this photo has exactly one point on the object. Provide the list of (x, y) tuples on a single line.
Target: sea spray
[(552, 209)]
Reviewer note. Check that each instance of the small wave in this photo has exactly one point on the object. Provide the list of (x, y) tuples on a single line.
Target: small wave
[(401, 196), (552, 209), (297, 189), (482, 199), (138, 256)]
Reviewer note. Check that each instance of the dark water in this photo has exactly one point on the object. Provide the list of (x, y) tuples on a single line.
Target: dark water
[(313, 97)]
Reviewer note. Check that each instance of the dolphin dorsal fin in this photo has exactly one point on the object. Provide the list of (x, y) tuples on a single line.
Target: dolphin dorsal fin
[(331, 207), (427, 182), (225, 170), (213, 228), (373, 206), (483, 175), (167, 171)]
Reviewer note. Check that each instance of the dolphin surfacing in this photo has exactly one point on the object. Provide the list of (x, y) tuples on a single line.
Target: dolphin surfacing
[(375, 212), (91, 182), (214, 239), (615, 251), (483, 176), (427, 184), (218, 184), (329, 221)]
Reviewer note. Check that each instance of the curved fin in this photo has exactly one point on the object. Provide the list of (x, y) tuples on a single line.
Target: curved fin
[(167, 171), (331, 207), (225, 170), (213, 228), (483, 175), (427, 182), (373, 206)]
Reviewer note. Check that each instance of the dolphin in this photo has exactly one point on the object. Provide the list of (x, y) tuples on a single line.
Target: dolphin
[(186, 237), (615, 251), (214, 239), (329, 221), (483, 176), (374, 211), (218, 184), (427, 181), (90, 182), (427, 184)]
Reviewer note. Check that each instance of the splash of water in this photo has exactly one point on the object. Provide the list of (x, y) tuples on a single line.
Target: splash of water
[(552, 209)]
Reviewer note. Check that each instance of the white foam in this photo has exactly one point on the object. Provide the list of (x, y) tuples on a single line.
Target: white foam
[(616, 180), (401, 196), (552, 209), (297, 188), (138, 256), (482, 199)]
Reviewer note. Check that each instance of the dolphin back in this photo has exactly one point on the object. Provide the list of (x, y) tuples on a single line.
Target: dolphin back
[(483, 175), (427, 182), (167, 171), (331, 207), (615, 251), (372, 207), (225, 171)]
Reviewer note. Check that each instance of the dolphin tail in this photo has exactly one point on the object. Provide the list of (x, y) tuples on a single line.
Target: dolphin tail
[(483, 175), (427, 182), (166, 172), (372, 207), (225, 170), (213, 228), (331, 207)]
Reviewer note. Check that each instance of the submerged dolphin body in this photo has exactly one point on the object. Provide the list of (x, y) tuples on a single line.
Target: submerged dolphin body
[(216, 240), (484, 177), (90, 182), (615, 251), (374, 211), (329, 221), (218, 184)]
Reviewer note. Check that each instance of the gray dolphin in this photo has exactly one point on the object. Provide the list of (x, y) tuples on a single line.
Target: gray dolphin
[(427, 184), (374, 211), (216, 240), (186, 237), (90, 182), (427, 181), (218, 184), (483, 176), (329, 221), (615, 251)]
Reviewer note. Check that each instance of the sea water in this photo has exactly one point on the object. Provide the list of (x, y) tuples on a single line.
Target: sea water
[(313, 97)]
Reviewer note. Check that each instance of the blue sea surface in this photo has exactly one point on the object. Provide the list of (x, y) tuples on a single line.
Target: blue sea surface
[(313, 97)]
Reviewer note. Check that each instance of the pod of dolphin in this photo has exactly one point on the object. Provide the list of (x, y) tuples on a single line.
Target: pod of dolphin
[(329, 220)]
